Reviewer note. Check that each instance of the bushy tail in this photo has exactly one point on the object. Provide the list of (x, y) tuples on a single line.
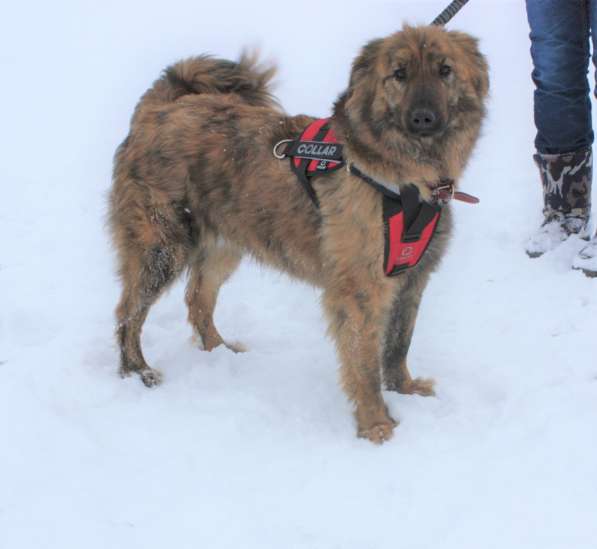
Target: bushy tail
[(205, 74)]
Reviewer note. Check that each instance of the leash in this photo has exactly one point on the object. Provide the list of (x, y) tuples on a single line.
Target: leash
[(449, 12)]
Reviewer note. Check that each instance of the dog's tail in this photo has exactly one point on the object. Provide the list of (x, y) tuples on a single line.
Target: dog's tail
[(207, 75)]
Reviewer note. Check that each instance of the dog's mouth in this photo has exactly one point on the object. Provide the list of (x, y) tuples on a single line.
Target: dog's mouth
[(427, 139), (428, 135)]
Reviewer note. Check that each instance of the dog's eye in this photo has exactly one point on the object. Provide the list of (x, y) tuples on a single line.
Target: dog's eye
[(400, 74), (445, 70)]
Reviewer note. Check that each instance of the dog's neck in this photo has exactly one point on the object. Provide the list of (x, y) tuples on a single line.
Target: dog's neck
[(391, 170)]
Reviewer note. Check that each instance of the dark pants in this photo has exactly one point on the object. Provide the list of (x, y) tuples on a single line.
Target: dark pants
[(560, 34)]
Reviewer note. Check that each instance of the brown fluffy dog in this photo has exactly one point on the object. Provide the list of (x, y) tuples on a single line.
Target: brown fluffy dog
[(196, 186)]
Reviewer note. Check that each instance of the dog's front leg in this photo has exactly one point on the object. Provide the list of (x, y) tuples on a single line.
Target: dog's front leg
[(399, 335), (357, 323)]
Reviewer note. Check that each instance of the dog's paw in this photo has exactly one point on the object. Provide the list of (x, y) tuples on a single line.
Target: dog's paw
[(150, 377), (420, 386), (379, 433), (209, 344), (236, 347), (417, 386)]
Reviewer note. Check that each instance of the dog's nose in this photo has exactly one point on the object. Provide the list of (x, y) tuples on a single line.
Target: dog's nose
[(423, 120)]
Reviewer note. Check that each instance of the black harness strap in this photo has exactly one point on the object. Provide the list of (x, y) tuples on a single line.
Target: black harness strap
[(370, 181)]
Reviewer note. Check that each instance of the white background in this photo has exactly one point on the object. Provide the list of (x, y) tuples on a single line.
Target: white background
[(259, 450)]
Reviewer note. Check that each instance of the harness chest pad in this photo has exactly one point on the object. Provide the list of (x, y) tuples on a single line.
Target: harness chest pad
[(409, 226)]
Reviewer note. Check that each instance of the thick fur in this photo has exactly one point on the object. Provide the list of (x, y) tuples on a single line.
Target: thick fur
[(196, 186)]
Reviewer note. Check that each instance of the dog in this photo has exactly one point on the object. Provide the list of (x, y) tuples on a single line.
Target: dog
[(196, 186)]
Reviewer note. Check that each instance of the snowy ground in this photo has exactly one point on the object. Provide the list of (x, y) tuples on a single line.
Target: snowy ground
[(258, 450)]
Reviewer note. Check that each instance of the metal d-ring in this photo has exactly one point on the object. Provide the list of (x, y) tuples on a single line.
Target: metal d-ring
[(281, 156)]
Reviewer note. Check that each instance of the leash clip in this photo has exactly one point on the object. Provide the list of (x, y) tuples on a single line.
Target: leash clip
[(447, 191), (444, 192), (281, 156)]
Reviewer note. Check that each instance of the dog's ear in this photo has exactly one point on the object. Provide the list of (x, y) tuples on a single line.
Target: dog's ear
[(479, 70), (364, 65)]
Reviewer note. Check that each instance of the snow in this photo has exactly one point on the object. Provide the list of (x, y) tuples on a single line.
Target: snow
[(258, 450)]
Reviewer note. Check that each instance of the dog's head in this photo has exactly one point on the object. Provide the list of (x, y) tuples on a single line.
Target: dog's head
[(417, 84)]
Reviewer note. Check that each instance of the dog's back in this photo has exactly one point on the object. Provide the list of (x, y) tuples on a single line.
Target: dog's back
[(170, 123)]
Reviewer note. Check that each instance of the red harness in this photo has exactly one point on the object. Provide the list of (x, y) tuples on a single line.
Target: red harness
[(409, 223), (402, 251), (409, 226), (316, 152)]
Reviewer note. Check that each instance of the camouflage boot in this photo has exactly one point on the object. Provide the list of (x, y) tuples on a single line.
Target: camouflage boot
[(566, 180)]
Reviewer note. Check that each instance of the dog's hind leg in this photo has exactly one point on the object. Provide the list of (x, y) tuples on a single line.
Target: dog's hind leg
[(398, 338), (146, 275), (154, 247), (212, 267)]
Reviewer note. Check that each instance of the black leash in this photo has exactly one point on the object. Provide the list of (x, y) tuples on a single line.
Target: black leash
[(449, 12)]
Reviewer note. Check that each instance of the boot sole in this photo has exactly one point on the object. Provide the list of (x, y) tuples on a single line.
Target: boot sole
[(590, 274)]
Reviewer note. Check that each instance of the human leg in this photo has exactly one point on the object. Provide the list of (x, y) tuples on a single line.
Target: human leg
[(560, 53)]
